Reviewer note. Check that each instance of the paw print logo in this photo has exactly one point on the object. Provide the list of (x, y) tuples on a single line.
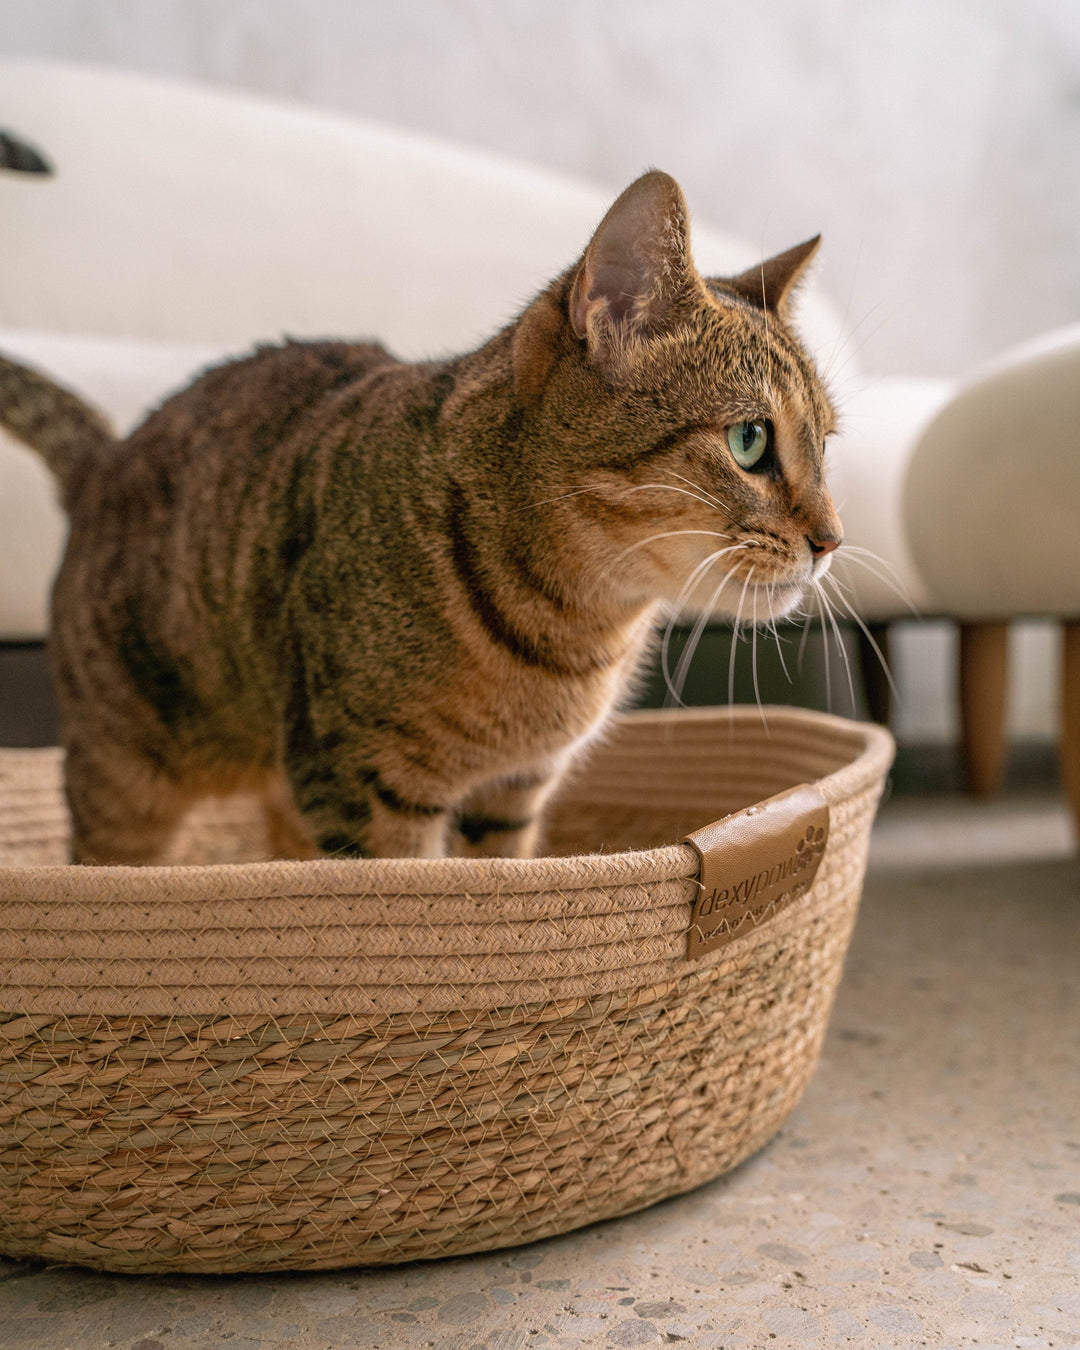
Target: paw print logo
[(810, 847)]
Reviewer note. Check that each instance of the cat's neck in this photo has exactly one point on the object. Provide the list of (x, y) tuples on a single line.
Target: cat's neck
[(511, 525)]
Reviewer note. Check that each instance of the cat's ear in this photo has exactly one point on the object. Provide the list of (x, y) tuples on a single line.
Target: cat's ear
[(637, 261), (770, 284)]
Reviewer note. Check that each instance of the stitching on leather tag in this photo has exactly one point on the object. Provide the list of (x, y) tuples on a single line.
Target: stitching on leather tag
[(754, 864)]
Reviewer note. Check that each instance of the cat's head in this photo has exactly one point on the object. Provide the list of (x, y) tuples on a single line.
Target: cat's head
[(681, 421)]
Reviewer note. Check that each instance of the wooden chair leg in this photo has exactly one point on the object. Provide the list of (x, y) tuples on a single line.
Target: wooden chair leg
[(1070, 720), (873, 647), (983, 668)]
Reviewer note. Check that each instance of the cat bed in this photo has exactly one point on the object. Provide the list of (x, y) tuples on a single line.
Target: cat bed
[(249, 1066)]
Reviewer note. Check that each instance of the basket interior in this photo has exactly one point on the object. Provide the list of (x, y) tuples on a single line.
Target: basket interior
[(655, 777), (664, 774)]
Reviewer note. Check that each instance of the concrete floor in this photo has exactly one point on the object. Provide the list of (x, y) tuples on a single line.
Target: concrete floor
[(925, 1193)]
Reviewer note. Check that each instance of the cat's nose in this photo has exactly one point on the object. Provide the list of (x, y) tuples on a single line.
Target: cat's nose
[(819, 547)]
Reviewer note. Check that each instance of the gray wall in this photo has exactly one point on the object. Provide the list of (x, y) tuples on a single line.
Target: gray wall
[(935, 142)]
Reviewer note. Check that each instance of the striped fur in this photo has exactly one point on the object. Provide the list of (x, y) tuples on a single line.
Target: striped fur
[(397, 599)]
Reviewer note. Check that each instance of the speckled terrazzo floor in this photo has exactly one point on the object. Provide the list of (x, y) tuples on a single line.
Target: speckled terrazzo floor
[(925, 1193)]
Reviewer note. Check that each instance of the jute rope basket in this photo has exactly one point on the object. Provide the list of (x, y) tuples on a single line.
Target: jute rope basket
[(274, 1065)]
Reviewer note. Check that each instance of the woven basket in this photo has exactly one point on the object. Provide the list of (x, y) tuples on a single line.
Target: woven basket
[(272, 1065)]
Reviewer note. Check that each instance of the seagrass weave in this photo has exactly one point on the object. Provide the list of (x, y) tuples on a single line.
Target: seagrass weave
[(243, 1065)]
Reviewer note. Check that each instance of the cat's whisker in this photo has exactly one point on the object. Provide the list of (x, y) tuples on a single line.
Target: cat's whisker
[(846, 346), (676, 610), (753, 662), (667, 487), (894, 584), (680, 600), (871, 640), (712, 498), (690, 584), (838, 585), (664, 534), (776, 634), (803, 640), (856, 348), (677, 682), (824, 649), (843, 333), (550, 501), (867, 316), (765, 316), (690, 646), (859, 551), (622, 492), (828, 610), (886, 573), (735, 640)]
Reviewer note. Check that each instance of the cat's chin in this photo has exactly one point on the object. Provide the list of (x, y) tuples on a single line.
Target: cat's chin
[(749, 604), (775, 601), (783, 600)]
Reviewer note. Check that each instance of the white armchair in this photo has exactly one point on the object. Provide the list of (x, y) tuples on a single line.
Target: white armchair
[(971, 489), (991, 509)]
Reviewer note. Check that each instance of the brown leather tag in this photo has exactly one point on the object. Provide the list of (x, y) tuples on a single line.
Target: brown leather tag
[(754, 864)]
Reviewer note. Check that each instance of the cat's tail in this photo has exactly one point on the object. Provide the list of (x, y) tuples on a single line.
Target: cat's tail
[(65, 431)]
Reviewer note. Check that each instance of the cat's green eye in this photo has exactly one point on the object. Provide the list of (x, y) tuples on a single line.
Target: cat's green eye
[(748, 442)]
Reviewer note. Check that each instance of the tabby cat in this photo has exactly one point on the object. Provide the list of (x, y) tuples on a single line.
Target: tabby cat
[(399, 600)]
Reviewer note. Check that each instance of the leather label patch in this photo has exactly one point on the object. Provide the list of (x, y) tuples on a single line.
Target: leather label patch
[(754, 864)]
